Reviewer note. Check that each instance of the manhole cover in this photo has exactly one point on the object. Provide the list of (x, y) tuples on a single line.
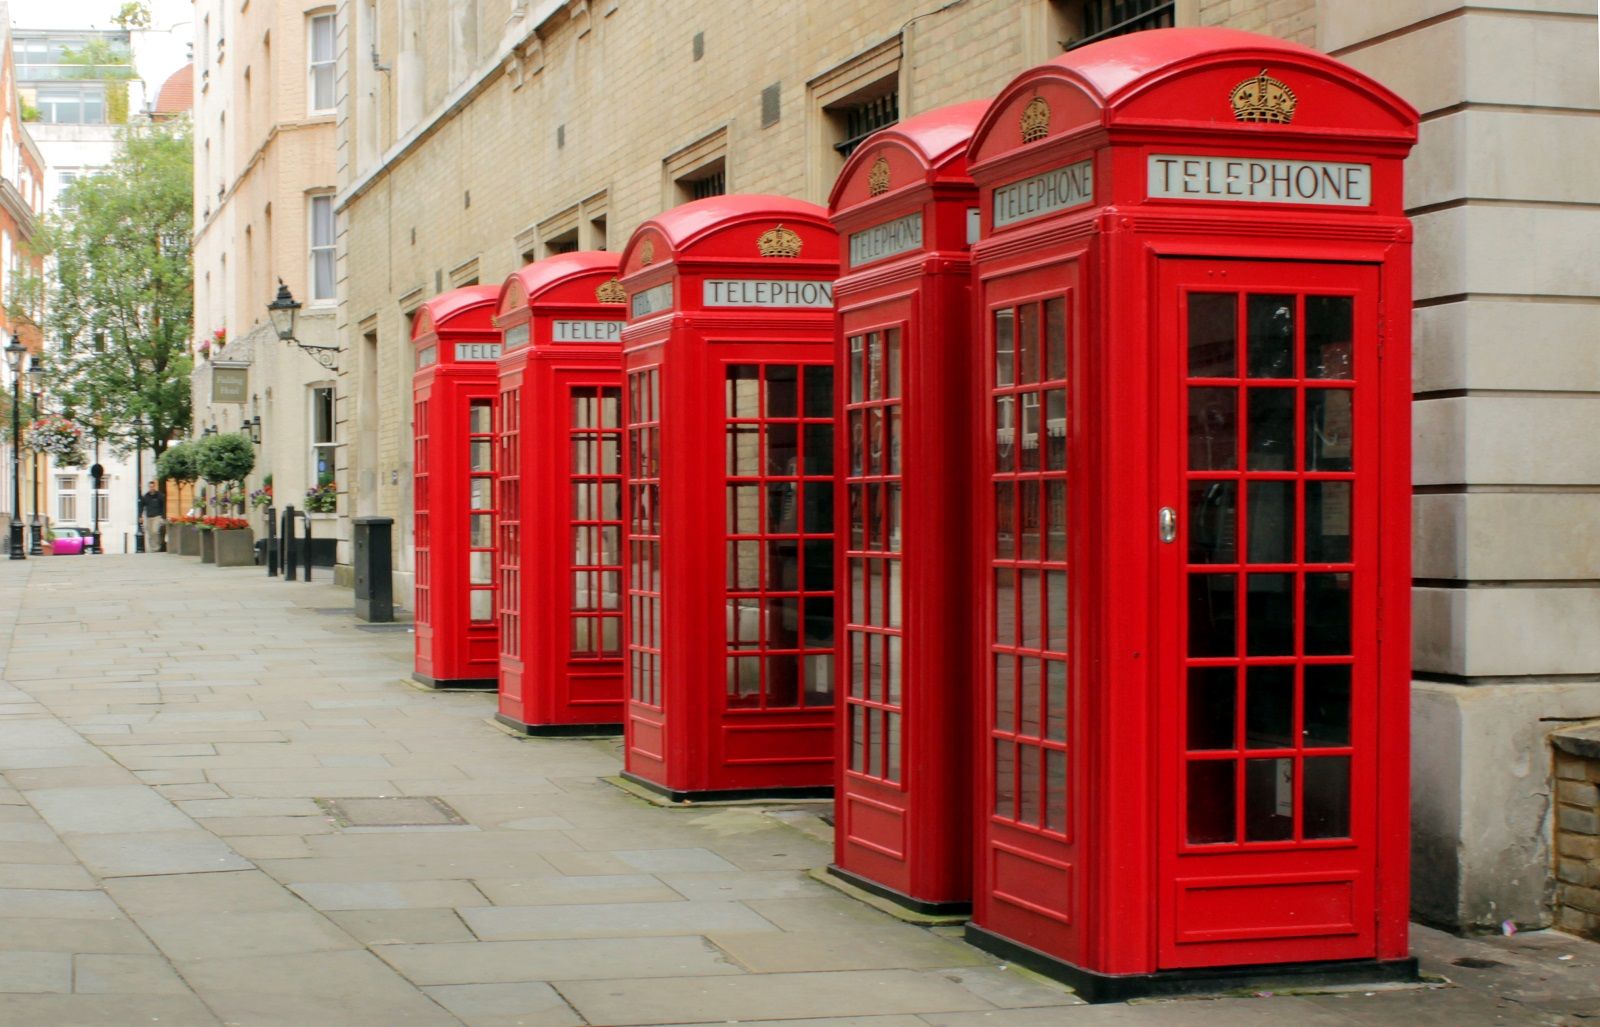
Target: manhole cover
[(1474, 963), (410, 811)]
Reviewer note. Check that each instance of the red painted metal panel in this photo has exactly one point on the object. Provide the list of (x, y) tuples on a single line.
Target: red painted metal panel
[(729, 526), (455, 345), (561, 400)]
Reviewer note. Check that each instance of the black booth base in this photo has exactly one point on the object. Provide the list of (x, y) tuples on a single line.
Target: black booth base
[(901, 899), (1098, 987), (457, 684), (558, 730), (729, 794)]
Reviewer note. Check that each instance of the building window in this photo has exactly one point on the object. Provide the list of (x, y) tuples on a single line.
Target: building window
[(102, 505), (66, 498), (322, 284), (322, 433), (864, 118), (72, 103), (566, 242), (1103, 19), (714, 182), (321, 59)]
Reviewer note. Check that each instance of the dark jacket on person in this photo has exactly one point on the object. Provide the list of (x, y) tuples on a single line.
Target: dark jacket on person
[(152, 504)]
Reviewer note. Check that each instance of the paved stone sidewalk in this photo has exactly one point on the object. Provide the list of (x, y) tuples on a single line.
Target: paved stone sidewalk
[(171, 736)]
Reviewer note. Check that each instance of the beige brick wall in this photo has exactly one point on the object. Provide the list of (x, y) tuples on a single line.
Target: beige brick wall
[(1577, 843), (1286, 19), (618, 81)]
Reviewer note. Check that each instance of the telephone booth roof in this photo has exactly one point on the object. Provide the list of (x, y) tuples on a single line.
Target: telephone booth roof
[(727, 229), (928, 148), (552, 280), (1183, 81), (465, 311)]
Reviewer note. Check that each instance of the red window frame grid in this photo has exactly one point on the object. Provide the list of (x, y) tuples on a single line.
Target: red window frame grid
[(421, 500), (474, 438), (509, 520), (595, 479), (1009, 478), (874, 559), (642, 534), (1241, 568), (802, 594)]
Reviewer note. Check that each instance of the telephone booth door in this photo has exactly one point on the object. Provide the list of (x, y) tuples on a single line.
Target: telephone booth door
[(1195, 290), (904, 789), (561, 497), (1267, 434), (729, 530), (456, 346)]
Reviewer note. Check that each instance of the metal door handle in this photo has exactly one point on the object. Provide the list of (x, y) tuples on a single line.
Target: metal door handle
[(1167, 524)]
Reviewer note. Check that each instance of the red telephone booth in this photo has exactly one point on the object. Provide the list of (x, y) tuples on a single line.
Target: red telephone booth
[(1194, 310), (903, 206), (560, 504), (728, 355), (454, 390)]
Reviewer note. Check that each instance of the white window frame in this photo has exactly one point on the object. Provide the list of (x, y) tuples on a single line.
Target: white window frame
[(323, 450), (66, 499), (321, 251), (322, 69)]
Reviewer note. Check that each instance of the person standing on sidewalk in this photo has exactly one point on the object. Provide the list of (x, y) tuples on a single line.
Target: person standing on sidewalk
[(153, 508)]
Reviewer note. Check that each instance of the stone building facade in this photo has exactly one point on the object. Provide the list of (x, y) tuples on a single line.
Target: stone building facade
[(475, 135), (265, 179)]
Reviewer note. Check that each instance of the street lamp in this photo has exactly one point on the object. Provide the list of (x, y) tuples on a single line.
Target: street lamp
[(36, 529), (284, 310), (14, 354), (252, 428)]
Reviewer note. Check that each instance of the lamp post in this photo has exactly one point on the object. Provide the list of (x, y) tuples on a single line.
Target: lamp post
[(36, 530), (283, 310), (14, 353)]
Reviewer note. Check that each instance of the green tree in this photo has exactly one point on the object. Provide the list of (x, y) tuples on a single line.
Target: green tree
[(224, 459), (101, 61), (135, 14), (119, 292), (177, 464)]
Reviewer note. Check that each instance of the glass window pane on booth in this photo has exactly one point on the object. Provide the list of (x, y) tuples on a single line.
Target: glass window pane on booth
[(1326, 706), (744, 681), (744, 391), (1005, 779), (481, 569), (1055, 339), (1055, 686), (480, 417), (818, 391), (1055, 526), (1005, 433), (1030, 681), (1055, 790), (1005, 348), (1271, 430), (1269, 707), (1268, 800), (1269, 336), (1212, 521), (1212, 615), (482, 455), (1213, 429), (783, 390), (1210, 805), (1029, 771), (1005, 692), (1055, 610), (894, 671), (1330, 348), (1210, 703), (1213, 334), (1326, 799), (481, 604), (481, 535), (1328, 521), (1327, 614), (1269, 614), (818, 448), (1271, 517), (1028, 343), (744, 450), (1328, 429), (482, 493), (819, 680), (891, 363), (1055, 430), (873, 366)]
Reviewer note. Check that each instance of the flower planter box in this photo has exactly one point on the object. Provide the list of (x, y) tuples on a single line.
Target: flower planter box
[(208, 546), (235, 547), (187, 542)]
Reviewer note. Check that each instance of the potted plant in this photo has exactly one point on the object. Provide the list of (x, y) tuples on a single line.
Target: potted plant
[(177, 463), (58, 437), (233, 542), (324, 498), (224, 460), (208, 540)]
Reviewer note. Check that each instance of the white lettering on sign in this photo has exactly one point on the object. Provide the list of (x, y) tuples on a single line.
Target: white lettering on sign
[(1176, 176), (651, 301), (1060, 189), (517, 336), (586, 331), (766, 292), (477, 351), (889, 239)]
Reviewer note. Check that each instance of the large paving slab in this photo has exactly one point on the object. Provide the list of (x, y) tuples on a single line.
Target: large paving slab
[(220, 804)]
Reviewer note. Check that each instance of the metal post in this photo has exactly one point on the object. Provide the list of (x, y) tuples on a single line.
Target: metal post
[(138, 483), (272, 542), (36, 529), (305, 547), (288, 544), (16, 466)]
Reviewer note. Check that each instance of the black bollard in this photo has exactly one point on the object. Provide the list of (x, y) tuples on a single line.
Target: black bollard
[(374, 569), (305, 547), (288, 543), (272, 543)]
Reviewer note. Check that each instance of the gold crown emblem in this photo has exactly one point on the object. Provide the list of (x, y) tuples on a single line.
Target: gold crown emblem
[(647, 253), (611, 292), (878, 177), (1263, 98), (778, 242), (1035, 120)]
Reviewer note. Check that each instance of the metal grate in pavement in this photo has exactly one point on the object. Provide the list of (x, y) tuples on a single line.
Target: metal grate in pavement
[(394, 811)]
